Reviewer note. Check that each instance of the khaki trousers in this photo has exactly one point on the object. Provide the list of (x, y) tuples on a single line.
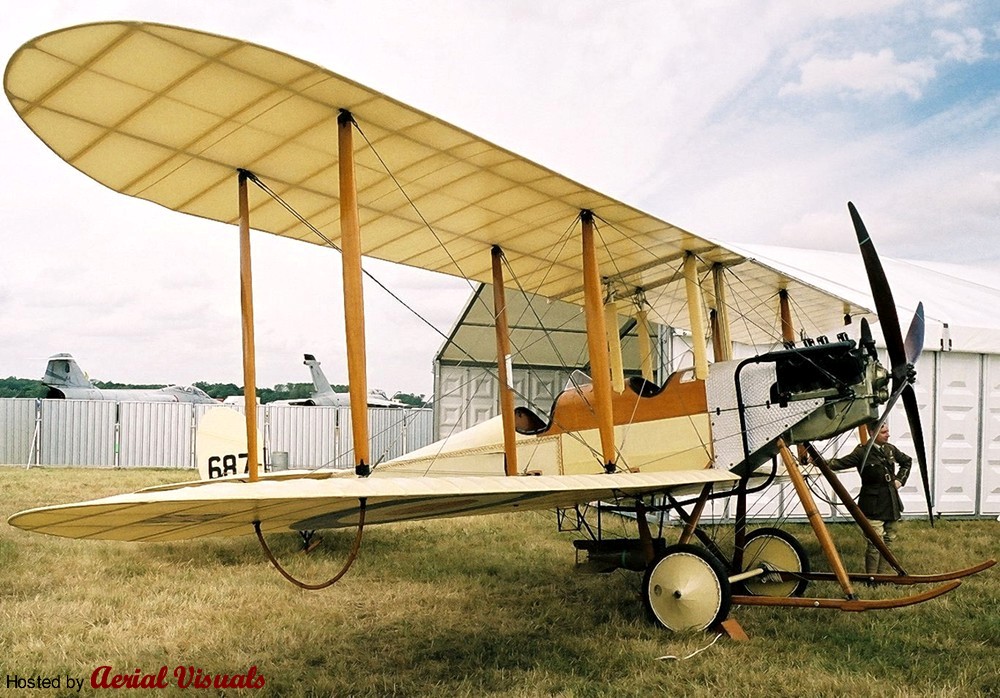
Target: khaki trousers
[(874, 562)]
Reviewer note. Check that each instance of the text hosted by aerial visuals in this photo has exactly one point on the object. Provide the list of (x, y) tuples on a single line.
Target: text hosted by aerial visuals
[(110, 677)]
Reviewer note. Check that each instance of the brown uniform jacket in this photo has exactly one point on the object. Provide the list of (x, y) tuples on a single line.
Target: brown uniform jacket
[(879, 499)]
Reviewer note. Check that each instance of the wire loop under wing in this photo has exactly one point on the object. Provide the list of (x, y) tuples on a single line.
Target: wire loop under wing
[(333, 580)]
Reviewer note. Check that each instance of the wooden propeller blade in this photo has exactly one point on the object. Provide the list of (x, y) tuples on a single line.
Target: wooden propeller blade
[(866, 330), (917, 433), (914, 343), (885, 306)]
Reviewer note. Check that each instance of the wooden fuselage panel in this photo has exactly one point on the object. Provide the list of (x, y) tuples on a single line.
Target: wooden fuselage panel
[(670, 430), (682, 396)]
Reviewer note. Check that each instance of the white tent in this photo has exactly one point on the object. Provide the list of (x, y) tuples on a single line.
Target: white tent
[(960, 302), (958, 375)]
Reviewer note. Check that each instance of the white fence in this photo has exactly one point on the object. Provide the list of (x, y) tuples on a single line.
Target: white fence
[(161, 434)]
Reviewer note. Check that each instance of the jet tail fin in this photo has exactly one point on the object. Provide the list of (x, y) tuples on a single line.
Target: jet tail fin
[(320, 383), (62, 371)]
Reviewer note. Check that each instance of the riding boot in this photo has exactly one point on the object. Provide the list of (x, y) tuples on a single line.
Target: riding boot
[(883, 565), (872, 559)]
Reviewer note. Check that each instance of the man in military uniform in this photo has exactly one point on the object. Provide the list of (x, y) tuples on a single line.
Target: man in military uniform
[(881, 477)]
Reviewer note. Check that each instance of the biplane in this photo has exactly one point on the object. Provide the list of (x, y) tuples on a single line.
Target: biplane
[(238, 133)]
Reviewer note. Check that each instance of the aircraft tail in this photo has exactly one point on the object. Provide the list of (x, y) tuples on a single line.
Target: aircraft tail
[(62, 371), (320, 383)]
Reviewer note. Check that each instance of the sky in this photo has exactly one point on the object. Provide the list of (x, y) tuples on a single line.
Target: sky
[(749, 122)]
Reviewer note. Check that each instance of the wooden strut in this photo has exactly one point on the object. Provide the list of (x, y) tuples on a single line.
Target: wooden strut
[(503, 363), (705, 539), (845, 497), (696, 316), (740, 523), (788, 336), (246, 313), (614, 345), (722, 343), (354, 303), (645, 536), (815, 520), (691, 522), (645, 344), (351, 557), (597, 343)]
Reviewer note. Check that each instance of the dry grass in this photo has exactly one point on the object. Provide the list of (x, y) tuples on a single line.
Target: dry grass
[(464, 607)]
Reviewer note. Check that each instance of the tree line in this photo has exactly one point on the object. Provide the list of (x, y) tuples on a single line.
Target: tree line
[(30, 388)]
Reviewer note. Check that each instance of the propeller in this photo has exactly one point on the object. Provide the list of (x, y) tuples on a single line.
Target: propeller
[(902, 355), (914, 343)]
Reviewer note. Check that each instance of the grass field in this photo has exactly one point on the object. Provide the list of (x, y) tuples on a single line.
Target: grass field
[(462, 607)]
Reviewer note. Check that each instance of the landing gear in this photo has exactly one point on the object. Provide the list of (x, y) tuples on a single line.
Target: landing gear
[(686, 589), (776, 551)]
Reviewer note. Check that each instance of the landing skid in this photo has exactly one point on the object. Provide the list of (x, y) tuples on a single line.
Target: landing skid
[(897, 579), (855, 605)]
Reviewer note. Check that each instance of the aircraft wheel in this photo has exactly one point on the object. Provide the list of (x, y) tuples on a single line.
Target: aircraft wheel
[(686, 589), (780, 551)]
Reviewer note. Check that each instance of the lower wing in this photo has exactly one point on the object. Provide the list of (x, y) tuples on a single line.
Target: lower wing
[(230, 508)]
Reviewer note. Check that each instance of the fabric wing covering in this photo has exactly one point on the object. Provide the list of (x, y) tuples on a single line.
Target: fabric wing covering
[(330, 500), (169, 115)]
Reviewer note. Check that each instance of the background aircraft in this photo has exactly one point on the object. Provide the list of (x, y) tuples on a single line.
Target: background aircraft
[(324, 394), (66, 381)]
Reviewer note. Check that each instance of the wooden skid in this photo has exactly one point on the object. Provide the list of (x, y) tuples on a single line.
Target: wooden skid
[(855, 605), (898, 579)]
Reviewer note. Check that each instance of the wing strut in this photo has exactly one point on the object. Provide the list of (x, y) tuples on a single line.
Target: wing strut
[(645, 343), (696, 315), (503, 363), (246, 309), (723, 345), (354, 303), (597, 342), (787, 328), (614, 344)]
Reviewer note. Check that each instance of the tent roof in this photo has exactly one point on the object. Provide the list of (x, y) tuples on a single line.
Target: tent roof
[(965, 298), (543, 333)]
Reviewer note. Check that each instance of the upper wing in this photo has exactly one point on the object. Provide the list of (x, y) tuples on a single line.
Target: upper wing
[(229, 508), (169, 114)]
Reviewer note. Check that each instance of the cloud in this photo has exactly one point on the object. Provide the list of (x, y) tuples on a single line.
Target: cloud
[(863, 74), (965, 46)]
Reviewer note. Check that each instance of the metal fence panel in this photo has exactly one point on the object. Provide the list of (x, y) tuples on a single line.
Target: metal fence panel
[(78, 432), (17, 430), (309, 435), (395, 431), (155, 434)]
